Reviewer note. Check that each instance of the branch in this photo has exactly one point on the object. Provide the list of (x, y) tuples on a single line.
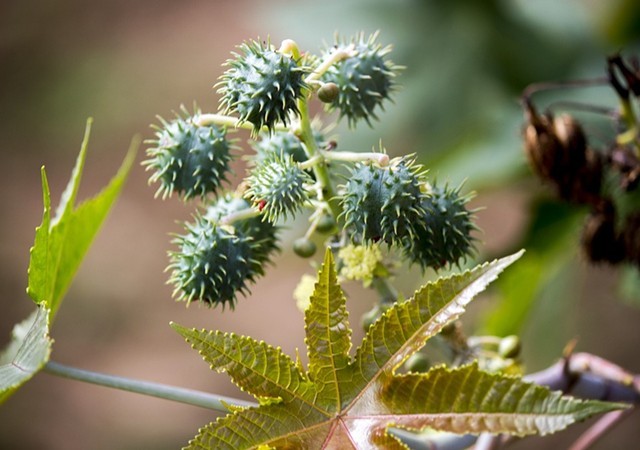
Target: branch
[(599, 429)]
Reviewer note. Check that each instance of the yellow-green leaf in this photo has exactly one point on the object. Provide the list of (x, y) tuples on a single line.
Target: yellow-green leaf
[(328, 337), (339, 403), (468, 400), (62, 242)]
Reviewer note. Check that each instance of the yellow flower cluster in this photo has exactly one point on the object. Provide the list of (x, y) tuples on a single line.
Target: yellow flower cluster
[(360, 262)]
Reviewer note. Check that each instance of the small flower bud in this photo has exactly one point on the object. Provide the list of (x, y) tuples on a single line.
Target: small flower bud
[(304, 247), (509, 347), (328, 92), (326, 224)]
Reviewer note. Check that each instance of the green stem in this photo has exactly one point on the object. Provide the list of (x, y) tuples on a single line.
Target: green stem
[(388, 294), (203, 120), (243, 214), (309, 163), (333, 58), (305, 133), (176, 394), (381, 158)]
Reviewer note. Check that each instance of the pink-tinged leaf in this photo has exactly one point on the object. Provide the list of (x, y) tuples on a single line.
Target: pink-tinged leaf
[(256, 367), (296, 426), (405, 327), (341, 404), (468, 400)]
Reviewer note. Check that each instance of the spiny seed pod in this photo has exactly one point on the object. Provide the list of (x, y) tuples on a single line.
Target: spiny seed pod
[(277, 187), (364, 80), (384, 203), (555, 147), (262, 86), (284, 142), (264, 242), (447, 224), (213, 264), (600, 241), (188, 159), (558, 153)]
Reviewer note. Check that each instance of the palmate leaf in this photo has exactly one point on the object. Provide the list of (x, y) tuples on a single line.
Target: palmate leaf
[(59, 246), (341, 402), (62, 242)]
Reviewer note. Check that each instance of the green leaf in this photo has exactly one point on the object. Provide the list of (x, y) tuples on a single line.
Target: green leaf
[(256, 367), (27, 352), (61, 244), (328, 336), (345, 403), (406, 327), (468, 400)]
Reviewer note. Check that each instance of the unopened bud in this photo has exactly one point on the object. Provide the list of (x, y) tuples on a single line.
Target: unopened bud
[(328, 92)]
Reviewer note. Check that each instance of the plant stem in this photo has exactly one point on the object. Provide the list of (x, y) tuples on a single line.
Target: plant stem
[(176, 394), (203, 120), (319, 169), (381, 158), (599, 429), (388, 293), (247, 213), (337, 55)]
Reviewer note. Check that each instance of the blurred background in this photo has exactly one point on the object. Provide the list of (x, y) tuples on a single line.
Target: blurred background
[(125, 62)]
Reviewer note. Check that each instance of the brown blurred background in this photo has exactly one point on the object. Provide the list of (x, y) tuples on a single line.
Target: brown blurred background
[(124, 62)]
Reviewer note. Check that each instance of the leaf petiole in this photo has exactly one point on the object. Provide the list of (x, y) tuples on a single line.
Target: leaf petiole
[(177, 394)]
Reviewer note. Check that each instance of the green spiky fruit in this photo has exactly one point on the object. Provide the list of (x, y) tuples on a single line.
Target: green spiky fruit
[(277, 187), (262, 86), (384, 203), (188, 159), (263, 234), (446, 236), (284, 142), (213, 264), (364, 80)]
